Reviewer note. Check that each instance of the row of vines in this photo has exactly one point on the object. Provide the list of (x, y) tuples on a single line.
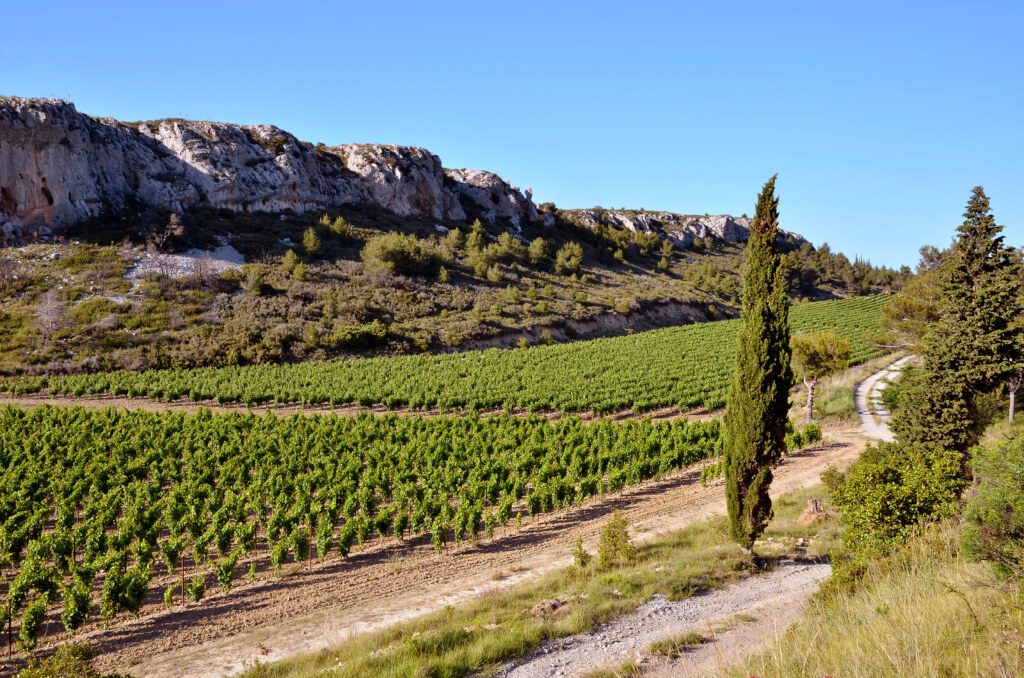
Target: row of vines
[(687, 366), (105, 511)]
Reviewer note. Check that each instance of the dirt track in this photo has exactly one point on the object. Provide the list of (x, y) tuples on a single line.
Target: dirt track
[(313, 609), (102, 401)]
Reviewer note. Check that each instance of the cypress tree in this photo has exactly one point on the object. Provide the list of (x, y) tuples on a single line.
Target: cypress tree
[(973, 347), (758, 400)]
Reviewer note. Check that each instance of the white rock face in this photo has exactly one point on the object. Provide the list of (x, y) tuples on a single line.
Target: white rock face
[(59, 167), (493, 197), (681, 229), (407, 181)]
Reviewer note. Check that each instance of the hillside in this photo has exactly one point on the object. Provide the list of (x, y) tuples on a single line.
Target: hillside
[(186, 244), (682, 367)]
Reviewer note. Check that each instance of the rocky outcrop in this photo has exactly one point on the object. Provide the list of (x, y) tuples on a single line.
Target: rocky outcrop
[(680, 229), (59, 167), (492, 198)]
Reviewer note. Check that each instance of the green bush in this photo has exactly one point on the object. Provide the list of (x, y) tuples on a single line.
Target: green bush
[(891, 490), (67, 661), (569, 258), (614, 546), (994, 518), (401, 254), (367, 335)]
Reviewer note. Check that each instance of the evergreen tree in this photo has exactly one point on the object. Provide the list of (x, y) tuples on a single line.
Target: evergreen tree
[(758, 400), (973, 347), (311, 242)]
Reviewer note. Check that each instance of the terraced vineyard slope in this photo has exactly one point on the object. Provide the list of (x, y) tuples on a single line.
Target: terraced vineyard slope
[(686, 366)]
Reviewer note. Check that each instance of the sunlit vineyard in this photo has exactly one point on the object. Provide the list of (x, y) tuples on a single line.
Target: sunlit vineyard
[(96, 504), (685, 366)]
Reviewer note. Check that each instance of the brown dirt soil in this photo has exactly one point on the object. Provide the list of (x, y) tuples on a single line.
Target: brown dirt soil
[(101, 401), (309, 609)]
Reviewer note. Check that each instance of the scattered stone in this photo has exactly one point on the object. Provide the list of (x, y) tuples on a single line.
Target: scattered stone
[(551, 609)]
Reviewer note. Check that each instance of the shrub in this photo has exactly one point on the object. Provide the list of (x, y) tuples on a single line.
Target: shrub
[(891, 490), (300, 272), (509, 248), (569, 258), (401, 254), (539, 251), (73, 659), (289, 261), (455, 240), (580, 555), (339, 228), (614, 546), (994, 518), (311, 242)]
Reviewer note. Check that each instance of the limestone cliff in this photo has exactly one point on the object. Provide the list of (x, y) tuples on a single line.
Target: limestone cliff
[(681, 229), (59, 167)]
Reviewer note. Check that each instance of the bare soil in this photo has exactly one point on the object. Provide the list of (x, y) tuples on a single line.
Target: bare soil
[(313, 608), (102, 401)]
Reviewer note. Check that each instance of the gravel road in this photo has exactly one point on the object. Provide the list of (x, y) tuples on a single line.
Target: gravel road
[(627, 638)]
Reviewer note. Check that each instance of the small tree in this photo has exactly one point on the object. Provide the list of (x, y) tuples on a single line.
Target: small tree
[(539, 251), (311, 242), (289, 261), (569, 258), (580, 555), (614, 546), (340, 228), (477, 234), (1013, 385), (51, 315), (816, 356), (667, 249), (455, 240)]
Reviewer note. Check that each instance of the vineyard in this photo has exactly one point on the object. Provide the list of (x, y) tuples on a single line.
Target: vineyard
[(685, 366), (101, 510)]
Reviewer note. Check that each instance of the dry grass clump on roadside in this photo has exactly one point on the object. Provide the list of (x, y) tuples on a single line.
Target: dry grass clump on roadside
[(924, 611)]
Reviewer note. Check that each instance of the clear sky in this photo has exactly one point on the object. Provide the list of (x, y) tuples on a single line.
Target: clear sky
[(878, 117)]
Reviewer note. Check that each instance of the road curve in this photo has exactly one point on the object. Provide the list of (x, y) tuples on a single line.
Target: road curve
[(874, 417)]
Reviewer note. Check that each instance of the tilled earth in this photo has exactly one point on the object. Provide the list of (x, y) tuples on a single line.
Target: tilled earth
[(313, 608)]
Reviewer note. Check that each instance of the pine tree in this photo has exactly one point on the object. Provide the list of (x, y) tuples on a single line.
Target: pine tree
[(758, 400), (973, 347)]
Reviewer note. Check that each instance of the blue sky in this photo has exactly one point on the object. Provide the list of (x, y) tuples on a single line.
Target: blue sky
[(878, 117)]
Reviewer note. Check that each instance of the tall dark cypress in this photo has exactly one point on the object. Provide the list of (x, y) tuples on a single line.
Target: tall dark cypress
[(758, 401)]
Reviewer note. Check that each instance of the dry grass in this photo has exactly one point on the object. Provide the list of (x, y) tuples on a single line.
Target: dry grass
[(923, 612)]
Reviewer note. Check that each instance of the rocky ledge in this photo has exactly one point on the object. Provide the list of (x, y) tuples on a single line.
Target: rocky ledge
[(59, 167), (680, 229)]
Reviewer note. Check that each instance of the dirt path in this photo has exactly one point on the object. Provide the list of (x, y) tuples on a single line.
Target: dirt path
[(867, 396), (103, 401), (316, 608), (766, 603), (627, 638)]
